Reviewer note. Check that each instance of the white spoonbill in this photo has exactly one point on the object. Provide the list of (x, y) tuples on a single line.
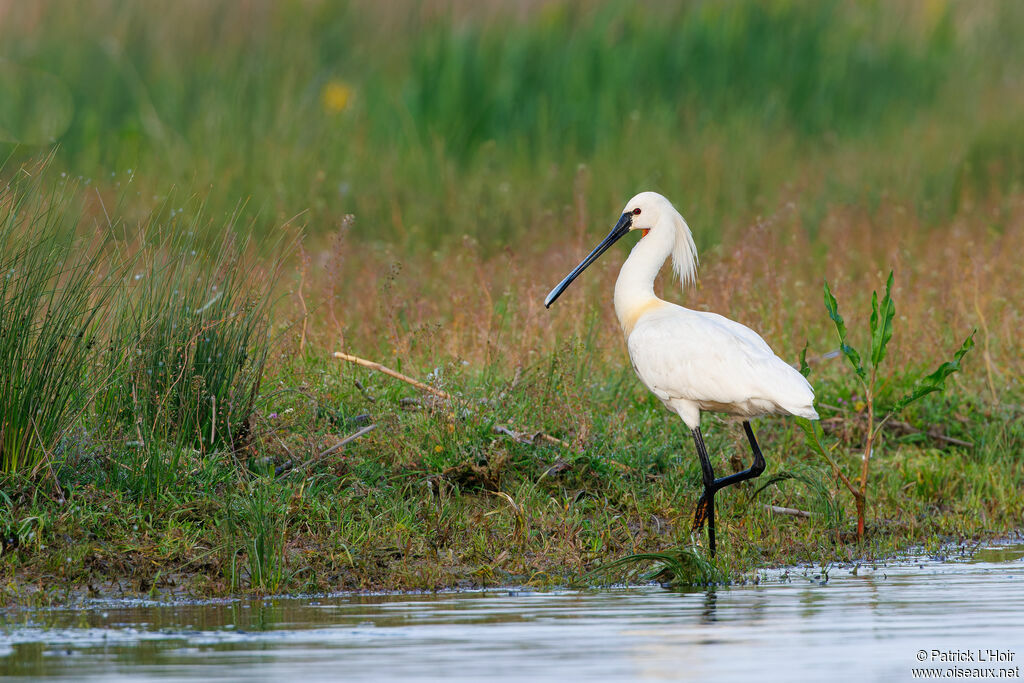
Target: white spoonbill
[(692, 360)]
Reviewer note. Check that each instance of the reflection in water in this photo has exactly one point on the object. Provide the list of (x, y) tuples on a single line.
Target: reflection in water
[(710, 601), (792, 625)]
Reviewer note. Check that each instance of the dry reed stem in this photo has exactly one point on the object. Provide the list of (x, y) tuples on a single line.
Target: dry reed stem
[(333, 449), (393, 373), (529, 437), (792, 512)]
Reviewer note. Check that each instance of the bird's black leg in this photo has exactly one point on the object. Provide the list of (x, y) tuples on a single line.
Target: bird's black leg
[(706, 504), (754, 470)]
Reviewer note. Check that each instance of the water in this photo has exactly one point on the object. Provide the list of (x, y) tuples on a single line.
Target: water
[(866, 625)]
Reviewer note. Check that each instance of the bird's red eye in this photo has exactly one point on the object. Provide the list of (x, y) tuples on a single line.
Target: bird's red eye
[(636, 211)]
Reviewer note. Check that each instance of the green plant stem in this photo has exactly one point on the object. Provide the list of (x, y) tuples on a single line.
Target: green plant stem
[(835, 468), (861, 498)]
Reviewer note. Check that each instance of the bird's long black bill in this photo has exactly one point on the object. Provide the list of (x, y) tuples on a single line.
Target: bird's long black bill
[(620, 229)]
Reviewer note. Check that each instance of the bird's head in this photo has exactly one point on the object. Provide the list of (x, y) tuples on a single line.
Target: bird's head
[(645, 212)]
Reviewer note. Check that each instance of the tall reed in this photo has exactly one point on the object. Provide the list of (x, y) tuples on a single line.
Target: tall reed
[(190, 335), (51, 291)]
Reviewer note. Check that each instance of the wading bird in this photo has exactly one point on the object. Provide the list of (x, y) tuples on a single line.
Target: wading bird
[(692, 360)]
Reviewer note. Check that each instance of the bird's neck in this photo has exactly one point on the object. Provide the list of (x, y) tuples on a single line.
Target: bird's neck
[(634, 289)]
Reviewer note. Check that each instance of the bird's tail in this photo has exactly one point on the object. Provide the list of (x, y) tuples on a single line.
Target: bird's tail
[(805, 411)]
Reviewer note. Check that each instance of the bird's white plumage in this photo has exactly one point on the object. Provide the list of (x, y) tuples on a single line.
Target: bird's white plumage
[(696, 361), (693, 360)]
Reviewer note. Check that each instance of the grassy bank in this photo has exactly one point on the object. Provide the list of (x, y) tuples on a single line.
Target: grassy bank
[(180, 428), (436, 498), (147, 487)]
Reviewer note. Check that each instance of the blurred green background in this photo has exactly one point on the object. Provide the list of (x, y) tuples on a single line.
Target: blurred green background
[(431, 120)]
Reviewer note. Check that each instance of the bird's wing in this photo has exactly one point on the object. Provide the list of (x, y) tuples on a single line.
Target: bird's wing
[(683, 354)]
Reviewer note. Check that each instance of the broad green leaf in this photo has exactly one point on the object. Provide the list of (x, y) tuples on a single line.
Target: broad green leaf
[(833, 311), (805, 369), (812, 430), (936, 380), (851, 354), (854, 358), (873, 321), (881, 323)]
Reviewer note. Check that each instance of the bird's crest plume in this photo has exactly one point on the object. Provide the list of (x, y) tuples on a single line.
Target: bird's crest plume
[(684, 252)]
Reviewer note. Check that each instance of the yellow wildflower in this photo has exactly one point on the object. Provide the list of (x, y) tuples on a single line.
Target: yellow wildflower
[(336, 96)]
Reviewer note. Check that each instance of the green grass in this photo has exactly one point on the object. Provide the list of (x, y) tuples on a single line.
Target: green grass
[(148, 334), (392, 511), (730, 107), (190, 329), (50, 295)]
